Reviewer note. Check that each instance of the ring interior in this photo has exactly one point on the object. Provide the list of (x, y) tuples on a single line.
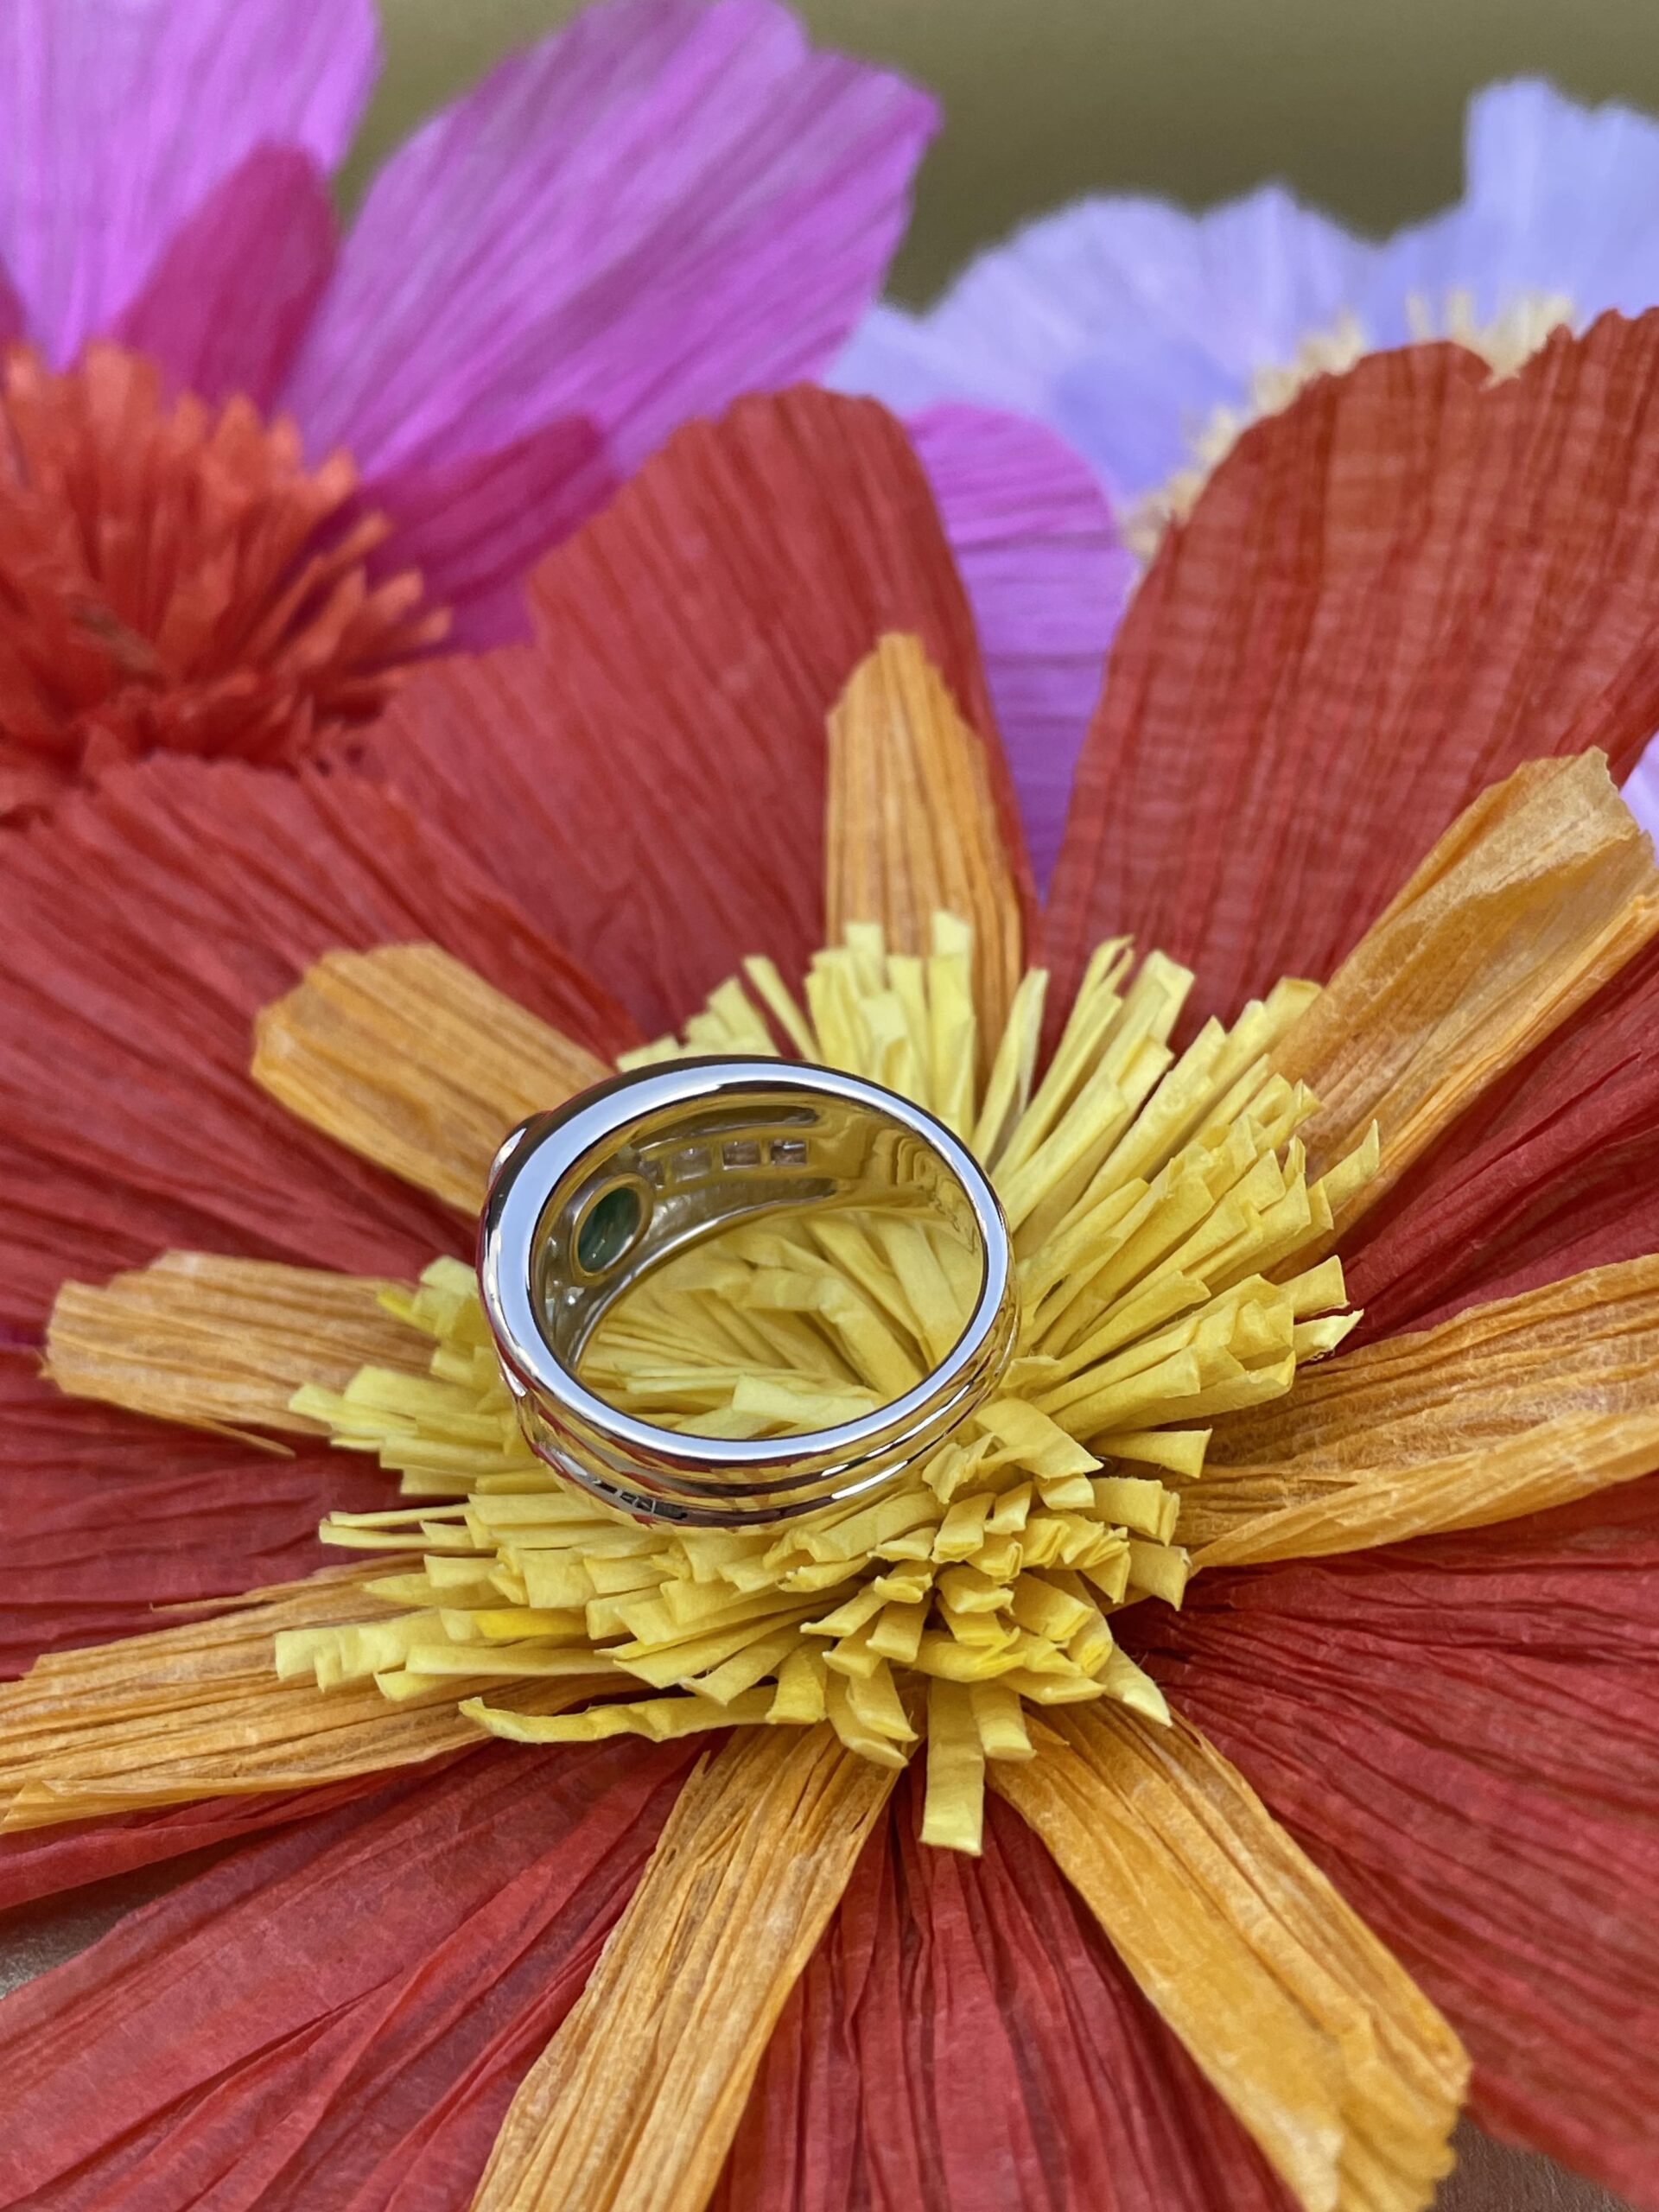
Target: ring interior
[(698, 1173), (689, 1151)]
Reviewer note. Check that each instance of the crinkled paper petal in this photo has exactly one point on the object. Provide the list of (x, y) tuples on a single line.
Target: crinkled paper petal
[(203, 1708), (144, 926), (1123, 323), (647, 777), (140, 931), (636, 2101), (1341, 2069), (38, 1863), (1439, 1427), (119, 122), (108, 1515), (225, 307), (221, 1343), (662, 205), (1318, 674), (338, 2014), (1463, 1732), (1047, 578), (410, 1057), (965, 2036), (1547, 209), (475, 527), (912, 827), (1538, 894), (1553, 1171)]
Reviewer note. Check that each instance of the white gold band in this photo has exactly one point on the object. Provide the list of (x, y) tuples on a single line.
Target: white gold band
[(586, 1200)]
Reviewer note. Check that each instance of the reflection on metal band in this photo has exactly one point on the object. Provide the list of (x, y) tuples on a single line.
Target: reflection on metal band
[(585, 1201)]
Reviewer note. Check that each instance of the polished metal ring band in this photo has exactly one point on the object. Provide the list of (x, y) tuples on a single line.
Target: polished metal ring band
[(586, 1200)]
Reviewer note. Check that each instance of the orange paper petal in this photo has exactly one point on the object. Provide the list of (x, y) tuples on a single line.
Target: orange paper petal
[(1337, 2064), (1538, 893), (911, 824), (197, 1712), (199, 1338), (1589, 1345), (408, 1057), (636, 2100)]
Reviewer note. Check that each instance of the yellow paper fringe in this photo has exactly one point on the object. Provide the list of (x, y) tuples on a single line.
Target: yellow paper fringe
[(1342, 2071), (1536, 895), (636, 2100), (911, 823), (406, 1056), (1150, 1194), (198, 1338)]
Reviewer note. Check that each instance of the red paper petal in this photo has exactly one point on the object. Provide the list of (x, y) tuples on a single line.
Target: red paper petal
[(964, 2036), (473, 528), (1412, 579), (45, 1862), (1464, 1733), (234, 290), (1554, 1170), (142, 928), (338, 2015), (647, 777), (108, 1515)]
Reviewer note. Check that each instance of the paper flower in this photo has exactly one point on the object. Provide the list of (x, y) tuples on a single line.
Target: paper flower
[(249, 466), (1385, 1766), (1149, 337)]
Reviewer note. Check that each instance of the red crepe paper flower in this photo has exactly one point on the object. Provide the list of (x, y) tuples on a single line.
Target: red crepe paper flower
[(1350, 731)]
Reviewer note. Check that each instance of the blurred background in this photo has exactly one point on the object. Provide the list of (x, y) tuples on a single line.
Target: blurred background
[(1357, 104)]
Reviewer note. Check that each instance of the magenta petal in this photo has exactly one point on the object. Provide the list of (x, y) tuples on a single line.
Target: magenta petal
[(226, 305), (11, 309), (475, 527), (120, 119), (664, 204), (1040, 556)]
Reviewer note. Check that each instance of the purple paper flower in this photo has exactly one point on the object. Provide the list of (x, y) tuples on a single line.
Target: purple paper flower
[(1148, 337), (1129, 325), (669, 203)]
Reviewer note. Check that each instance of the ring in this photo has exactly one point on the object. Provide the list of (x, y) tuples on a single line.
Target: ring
[(587, 1200)]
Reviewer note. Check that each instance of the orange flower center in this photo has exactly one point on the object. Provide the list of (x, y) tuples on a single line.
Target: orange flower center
[(174, 577)]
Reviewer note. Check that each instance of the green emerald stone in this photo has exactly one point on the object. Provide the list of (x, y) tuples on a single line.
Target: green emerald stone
[(609, 1226)]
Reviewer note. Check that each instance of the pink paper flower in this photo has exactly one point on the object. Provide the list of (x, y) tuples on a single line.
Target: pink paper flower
[(665, 204)]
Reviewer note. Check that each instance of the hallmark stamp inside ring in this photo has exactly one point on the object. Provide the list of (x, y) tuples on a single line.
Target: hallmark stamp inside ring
[(588, 1201)]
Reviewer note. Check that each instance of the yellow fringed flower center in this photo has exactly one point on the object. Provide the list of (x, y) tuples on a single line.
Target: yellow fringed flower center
[(1168, 1240)]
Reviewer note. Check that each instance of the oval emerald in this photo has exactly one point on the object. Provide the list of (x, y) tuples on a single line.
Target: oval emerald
[(608, 1227)]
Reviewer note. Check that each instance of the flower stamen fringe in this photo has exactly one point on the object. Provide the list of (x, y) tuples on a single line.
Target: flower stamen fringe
[(1158, 1202)]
